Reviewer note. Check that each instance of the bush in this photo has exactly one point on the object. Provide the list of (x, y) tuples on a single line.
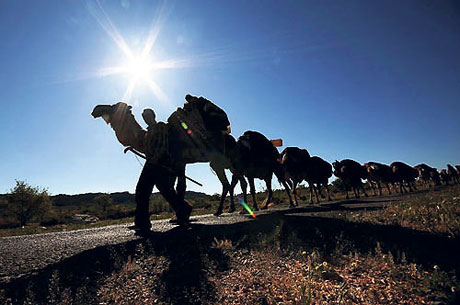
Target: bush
[(26, 202), (158, 206), (102, 203), (337, 186)]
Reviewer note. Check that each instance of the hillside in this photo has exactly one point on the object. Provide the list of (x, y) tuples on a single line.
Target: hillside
[(117, 197)]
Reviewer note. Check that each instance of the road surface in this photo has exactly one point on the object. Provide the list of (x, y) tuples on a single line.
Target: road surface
[(22, 255)]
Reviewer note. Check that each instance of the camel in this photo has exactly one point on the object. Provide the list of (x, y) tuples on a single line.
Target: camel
[(299, 166), (319, 172), (404, 173), (427, 173), (253, 156), (444, 176), (453, 175), (378, 173), (294, 161), (194, 134), (351, 173)]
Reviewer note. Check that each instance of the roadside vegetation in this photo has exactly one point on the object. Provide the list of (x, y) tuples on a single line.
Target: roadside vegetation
[(30, 209), (436, 211)]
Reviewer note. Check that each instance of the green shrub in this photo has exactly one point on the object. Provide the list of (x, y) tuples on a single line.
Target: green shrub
[(26, 202)]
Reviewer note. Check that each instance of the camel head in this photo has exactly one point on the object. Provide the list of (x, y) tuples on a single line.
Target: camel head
[(338, 169), (369, 167), (129, 133), (336, 164), (451, 169)]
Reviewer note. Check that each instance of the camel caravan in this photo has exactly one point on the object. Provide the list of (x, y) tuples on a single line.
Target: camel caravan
[(200, 132)]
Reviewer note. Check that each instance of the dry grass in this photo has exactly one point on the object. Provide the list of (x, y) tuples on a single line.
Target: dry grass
[(434, 212), (135, 283), (271, 277)]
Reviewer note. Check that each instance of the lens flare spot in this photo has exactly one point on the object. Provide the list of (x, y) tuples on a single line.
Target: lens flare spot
[(247, 208)]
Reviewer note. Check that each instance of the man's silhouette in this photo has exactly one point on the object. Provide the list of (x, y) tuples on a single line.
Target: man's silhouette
[(157, 171)]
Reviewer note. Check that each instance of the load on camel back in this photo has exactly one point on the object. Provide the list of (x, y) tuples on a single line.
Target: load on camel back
[(199, 126)]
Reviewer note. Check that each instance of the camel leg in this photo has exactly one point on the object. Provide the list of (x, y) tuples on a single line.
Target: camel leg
[(362, 188), (252, 188), (394, 186), (346, 192), (328, 194), (316, 193), (268, 183), (220, 171), (404, 187), (244, 188), (410, 186), (319, 187), (320, 190), (371, 184), (379, 185), (232, 189), (281, 178), (376, 189), (388, 188), (294, 190), (288, 192), (311, 186), (356, 191)]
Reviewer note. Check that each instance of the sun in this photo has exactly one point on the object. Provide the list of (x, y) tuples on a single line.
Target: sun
[(139, 68)]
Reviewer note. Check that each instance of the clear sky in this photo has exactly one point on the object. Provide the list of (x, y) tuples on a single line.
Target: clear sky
[(367, 80)]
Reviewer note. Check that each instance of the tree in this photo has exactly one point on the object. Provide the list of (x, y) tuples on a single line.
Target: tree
[(103, 201), (338, 185), (26, 202)]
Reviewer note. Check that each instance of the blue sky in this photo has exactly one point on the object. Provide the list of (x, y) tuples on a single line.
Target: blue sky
[(367, 80)]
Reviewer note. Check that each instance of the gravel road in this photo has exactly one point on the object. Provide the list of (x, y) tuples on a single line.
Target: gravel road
[(21, 255)]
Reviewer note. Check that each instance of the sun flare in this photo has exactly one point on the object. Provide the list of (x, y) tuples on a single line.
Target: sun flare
[(138, 68)]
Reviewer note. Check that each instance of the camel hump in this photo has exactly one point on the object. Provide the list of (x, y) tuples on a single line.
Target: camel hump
[(257, 146), (254, 140), (295, 156), (188, 120), (201, 115)]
